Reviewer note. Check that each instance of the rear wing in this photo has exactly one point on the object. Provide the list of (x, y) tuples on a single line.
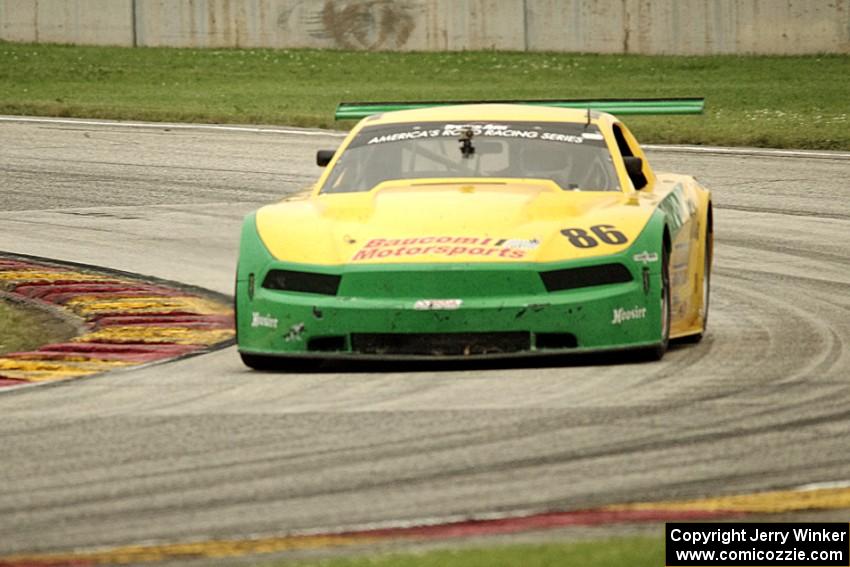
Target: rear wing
[(357, 110)]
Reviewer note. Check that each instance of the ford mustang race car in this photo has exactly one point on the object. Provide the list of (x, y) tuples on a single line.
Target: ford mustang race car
[(478, 230)]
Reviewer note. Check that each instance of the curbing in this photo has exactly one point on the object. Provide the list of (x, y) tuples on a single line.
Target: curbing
[(127, 320), (832, 496)]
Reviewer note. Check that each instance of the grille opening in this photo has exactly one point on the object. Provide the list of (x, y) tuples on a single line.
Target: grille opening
[(305, 282), (441, 344), (555, 340), (573, 278), (326, 344)]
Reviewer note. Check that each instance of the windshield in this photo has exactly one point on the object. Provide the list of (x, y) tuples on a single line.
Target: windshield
[(574, 156)]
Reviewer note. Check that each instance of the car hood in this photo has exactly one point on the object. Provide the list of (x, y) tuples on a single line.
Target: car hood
[(517, 221)]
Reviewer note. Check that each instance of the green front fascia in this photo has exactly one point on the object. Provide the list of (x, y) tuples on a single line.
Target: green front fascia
[(496, 298)]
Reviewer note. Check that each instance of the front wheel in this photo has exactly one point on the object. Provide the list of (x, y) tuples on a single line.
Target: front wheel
[(656, 352), (259, 362), (291, 364), (706, 289)]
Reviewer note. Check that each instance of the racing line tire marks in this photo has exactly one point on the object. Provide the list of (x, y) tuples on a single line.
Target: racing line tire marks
[(760, 403)]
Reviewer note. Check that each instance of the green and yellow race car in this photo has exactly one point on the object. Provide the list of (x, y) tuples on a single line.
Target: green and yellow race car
[(478, 230)]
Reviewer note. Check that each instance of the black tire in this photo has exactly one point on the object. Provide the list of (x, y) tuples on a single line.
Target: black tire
[(259, 362), (706, 294), (656, 352), (286, 364)]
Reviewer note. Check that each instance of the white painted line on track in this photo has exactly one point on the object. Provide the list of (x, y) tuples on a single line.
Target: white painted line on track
[(832, 485), (429, 521), (759, 152), (172, 126), (413, 523), (717, 150)]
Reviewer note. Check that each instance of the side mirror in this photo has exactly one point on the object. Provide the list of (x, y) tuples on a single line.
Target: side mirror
[(634, 167), (324, 157)]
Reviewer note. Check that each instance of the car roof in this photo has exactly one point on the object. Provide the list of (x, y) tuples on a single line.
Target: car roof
[(479, 112)]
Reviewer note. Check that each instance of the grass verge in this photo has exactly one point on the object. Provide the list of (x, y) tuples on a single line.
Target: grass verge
[(797, 102), (631, 551), (23, 328)]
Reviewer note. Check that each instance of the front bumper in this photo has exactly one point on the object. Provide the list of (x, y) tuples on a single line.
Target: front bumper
[(612, 316)]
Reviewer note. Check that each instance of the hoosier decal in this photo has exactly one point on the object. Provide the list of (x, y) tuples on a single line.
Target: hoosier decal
[(620, 314), (258, 320)]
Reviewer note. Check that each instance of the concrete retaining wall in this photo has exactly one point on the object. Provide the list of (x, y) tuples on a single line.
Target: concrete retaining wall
[(94, 22), (600, 26)]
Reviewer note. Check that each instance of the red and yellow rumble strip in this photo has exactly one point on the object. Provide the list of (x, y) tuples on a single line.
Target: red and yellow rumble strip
[(128, 322), (725, 507)]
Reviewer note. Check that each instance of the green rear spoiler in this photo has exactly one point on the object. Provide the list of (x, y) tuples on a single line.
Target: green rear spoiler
[(357, 110)]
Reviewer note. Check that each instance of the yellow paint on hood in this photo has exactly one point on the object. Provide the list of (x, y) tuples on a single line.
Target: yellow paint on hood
[(442, 221)]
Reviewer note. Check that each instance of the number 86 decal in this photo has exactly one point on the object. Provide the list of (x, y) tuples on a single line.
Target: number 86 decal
[(607, 233)]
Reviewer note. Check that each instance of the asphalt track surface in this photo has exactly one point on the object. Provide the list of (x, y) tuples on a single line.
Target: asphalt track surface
[(206, 448)]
